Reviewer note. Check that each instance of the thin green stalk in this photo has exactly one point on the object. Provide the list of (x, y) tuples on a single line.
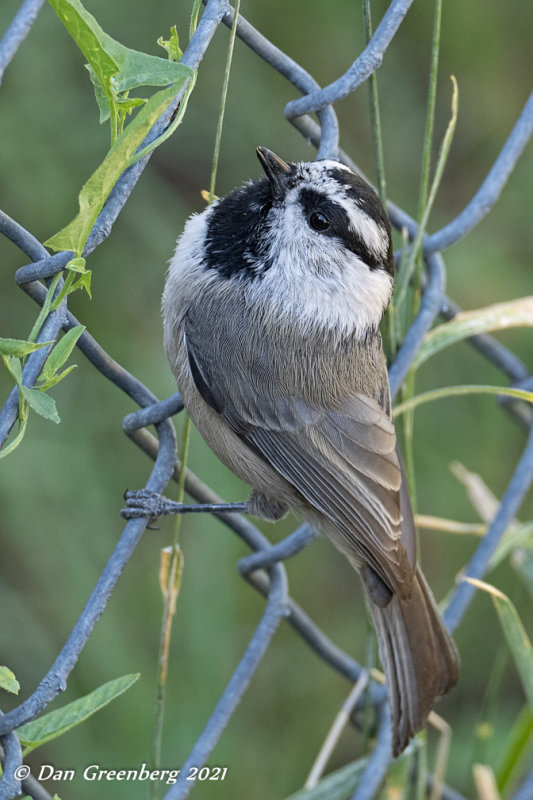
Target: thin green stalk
[(407, 392), (170, 581), (453, 391), (416, 247), (65, 290), (414, 252), (223, 103), (430, 115), (181, 482), (375, 117), (421, 767), (415, 264), (45, 309), (395, 320)]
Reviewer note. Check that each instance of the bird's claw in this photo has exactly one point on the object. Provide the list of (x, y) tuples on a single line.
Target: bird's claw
[(144, 503)]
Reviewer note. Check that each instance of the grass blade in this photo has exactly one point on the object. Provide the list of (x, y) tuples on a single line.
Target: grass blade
[(515, 634)]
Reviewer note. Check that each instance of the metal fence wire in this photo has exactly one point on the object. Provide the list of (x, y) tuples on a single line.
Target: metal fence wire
[(264, 569)]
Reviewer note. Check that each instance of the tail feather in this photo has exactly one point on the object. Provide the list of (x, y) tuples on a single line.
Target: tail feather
[(419, 657)]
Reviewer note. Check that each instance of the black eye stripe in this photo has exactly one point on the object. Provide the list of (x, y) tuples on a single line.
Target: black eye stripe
[(314, 202)]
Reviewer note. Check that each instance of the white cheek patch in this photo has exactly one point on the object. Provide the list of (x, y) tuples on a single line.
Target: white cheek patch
[(314, 280)]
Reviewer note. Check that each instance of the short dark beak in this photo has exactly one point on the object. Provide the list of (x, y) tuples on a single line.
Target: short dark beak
[(276, 170)]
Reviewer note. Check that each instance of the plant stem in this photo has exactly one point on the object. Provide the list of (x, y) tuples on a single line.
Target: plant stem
[(375, 117), (170, 581), (430, 115), (43, 313), (223, 102)]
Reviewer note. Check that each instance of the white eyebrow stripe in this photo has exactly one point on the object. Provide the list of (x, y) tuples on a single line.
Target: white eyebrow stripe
[(373, 234)]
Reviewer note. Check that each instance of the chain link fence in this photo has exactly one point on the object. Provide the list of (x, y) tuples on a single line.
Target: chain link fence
[(264, 568)]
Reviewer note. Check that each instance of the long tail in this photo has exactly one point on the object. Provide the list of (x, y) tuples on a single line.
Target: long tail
[(419, 657)]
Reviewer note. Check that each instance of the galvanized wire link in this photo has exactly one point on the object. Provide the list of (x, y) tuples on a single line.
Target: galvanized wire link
[(263, 569)]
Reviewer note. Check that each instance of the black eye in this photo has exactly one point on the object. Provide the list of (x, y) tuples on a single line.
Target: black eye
[(319, 221)]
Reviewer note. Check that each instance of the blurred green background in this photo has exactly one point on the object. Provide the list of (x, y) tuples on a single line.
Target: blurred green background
[(62, 489)]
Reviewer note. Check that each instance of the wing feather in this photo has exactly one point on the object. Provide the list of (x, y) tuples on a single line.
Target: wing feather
[(339, 455)]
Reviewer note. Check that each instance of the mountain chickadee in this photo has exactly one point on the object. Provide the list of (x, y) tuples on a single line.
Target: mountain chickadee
[(272, 309)]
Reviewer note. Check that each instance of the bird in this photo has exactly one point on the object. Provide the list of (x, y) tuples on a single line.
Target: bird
[(271, 314)]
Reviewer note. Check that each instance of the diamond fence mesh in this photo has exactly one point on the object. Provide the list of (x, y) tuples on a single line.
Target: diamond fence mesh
[(264, 569)]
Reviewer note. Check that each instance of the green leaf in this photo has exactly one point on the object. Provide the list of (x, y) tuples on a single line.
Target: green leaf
[(514, 314), (338, 785), (55, 723), (19, 347), (515, 749), (111, 60), (8, 681), (84, 282), (61, 352), (14, 367), (514, 632), (55, 379), (95, 192), (101, 96), (87, 34), (172, 46), (42, 404), (77, 265), (127, 104)]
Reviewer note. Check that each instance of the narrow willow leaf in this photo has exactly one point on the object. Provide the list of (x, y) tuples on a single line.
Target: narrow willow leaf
[(19, 347), (515, 748), (95, 192), (337, 785), (55, 723), (41, 403), (514, 314), (8, 681), (515, 634), (61, 352)]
